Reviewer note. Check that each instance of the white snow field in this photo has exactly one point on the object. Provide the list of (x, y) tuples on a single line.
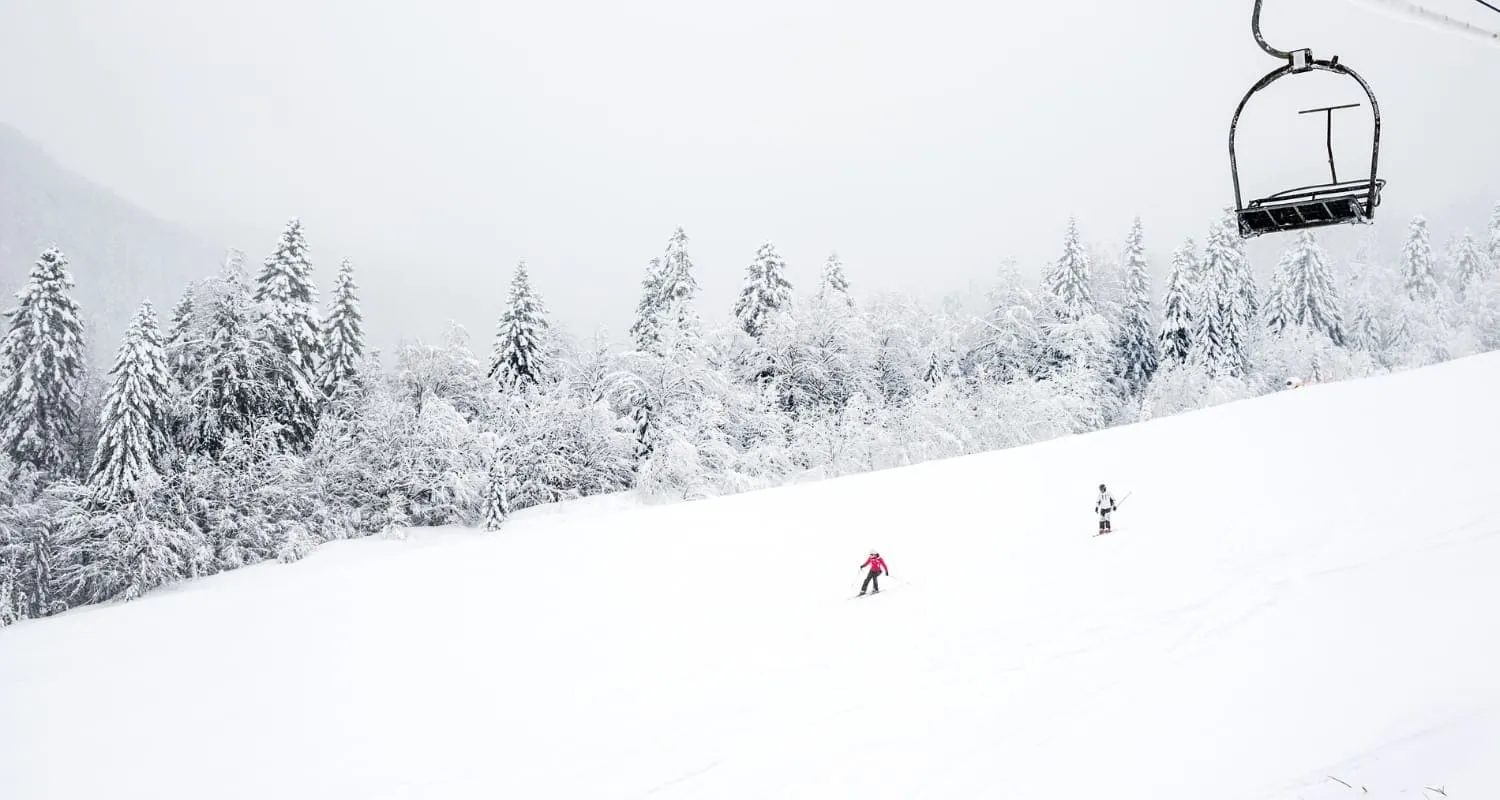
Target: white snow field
[(1301, 593)]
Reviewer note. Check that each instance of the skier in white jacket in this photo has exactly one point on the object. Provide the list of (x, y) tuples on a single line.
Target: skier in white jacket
[(1104, 506)]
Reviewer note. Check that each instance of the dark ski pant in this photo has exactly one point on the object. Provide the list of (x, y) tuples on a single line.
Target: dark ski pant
[(872, 578), (1104, 519)]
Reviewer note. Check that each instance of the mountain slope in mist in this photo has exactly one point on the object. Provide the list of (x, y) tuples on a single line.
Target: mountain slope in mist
[(120, 254)]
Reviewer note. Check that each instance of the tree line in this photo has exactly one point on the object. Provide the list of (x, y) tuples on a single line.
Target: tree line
[(257, 425)]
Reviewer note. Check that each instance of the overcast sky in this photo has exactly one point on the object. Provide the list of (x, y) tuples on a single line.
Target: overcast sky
[(436, 142)]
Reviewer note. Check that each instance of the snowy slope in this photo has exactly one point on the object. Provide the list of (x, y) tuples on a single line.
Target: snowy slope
[(1300, 586)]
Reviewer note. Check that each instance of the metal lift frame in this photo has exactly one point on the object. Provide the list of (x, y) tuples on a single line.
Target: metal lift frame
[(1305, 207)]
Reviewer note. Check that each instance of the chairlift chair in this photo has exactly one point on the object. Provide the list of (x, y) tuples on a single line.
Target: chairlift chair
[(1333, 203)]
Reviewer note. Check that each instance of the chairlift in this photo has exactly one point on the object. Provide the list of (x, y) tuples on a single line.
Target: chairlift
[(1333, 203)]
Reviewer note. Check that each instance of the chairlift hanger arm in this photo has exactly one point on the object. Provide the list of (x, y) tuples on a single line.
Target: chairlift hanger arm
[(1299, 60), (1261, 40)]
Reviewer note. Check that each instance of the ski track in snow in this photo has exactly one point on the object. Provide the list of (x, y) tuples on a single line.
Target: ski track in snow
[(1303, 592)]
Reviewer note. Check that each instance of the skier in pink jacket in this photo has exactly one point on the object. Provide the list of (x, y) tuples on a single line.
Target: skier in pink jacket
[(877, 568)]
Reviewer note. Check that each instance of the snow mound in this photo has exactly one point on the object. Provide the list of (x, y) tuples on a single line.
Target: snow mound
[(1297, 602)]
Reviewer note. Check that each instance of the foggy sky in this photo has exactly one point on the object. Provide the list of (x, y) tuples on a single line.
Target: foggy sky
[(437, 142)]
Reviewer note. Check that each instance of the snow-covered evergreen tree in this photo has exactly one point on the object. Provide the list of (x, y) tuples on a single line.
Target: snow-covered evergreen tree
[(519, 359), (1416, 262), (234, 262), (133, 426), (667, 294), (1139, 353), (233, 392), (679, 287), (496, 500), (29, 550), (645, 331), (41, 369), (1177, 319), (1221, 320), (187, 333), (343, 345), (183, 351), (286, 275), (1247, 307), (766, 291), (1303, 292), (1469, 263), (1495, 236), (1068, 280), (288, 298), (1278, 310), (835, 283)]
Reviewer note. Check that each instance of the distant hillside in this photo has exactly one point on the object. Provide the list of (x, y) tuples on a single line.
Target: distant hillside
[(119, 253)]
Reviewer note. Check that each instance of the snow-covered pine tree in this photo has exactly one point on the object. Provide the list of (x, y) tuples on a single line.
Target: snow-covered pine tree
[(288, 298), (667, 294), (182, 352), (934, 372), (1495, 236), (678, 286), (1068, 279), (1247, 307), (646, 330), (1416, 262), (41, 369), (1304, 293), (1139, 354), (133, 425), (343, 344), (1469, 263), (232, 393), (234, 262), (519, 358), (1278, 311), (834, 284), (1220, 318), (1177, 319), (766, 291), (496, 499)]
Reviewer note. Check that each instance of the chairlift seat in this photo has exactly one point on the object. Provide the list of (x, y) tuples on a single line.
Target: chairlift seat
[(1311, 207), (1334, 203)]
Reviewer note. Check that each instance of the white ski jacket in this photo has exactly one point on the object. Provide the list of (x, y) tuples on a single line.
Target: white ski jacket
[(1106, 502)]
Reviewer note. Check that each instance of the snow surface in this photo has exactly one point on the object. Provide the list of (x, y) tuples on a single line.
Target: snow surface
[(1300, 594)]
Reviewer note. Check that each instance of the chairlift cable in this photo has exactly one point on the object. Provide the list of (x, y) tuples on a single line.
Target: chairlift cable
[(1489, 5), (1421, 14)]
